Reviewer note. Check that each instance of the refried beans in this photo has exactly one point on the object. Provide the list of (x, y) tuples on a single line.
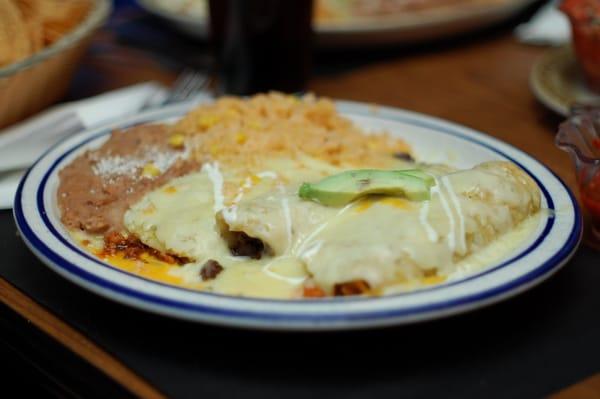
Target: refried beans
[(98, 187)]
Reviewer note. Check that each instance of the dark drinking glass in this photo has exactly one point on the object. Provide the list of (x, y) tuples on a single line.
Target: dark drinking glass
[(262, 45)]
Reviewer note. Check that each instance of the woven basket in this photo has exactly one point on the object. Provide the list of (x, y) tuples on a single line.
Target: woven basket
[(32, 84)]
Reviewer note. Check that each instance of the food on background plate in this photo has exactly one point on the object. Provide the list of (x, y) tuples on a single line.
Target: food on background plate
[(347, 10), (27, 26), (328, 11), (585, 25), (190, 8), (282, 197)]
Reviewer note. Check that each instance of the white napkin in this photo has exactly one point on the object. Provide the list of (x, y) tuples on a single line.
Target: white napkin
[(549, 26), (91, 112)]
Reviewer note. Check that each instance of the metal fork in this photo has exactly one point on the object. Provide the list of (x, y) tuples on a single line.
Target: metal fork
[(187, 85)]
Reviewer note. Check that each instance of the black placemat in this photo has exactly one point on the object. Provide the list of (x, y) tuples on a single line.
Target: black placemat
[(529, 346)]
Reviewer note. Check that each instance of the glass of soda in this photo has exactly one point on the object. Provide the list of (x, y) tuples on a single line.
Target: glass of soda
[(262, 45)]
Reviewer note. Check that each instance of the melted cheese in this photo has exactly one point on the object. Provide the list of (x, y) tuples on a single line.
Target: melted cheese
[(147, 266), (388, 242), (384, 240), (491, 254)]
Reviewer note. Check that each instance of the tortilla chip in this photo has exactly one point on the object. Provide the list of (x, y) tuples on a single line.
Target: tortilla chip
[(28, 8), (14, 38), (61, 16), (33, 21), (36, 34), (27, 26)]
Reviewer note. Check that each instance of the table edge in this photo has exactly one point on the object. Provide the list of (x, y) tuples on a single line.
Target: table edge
[(75, 341)]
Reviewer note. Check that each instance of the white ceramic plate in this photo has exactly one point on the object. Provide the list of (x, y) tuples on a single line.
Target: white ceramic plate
[(402, 28), (433, 140), (557, 81)]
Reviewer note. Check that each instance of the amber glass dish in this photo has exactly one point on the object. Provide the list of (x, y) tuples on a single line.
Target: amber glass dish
[(580, 137)]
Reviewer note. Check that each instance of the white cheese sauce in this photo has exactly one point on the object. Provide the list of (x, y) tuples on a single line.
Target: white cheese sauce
[(324, 243)]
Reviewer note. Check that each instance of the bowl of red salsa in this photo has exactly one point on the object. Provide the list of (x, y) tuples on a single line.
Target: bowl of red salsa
[(580, 137), (585, 25)]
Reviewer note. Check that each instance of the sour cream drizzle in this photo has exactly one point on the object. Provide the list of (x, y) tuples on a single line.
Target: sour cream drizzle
[(291, 280), (438, 189), (312, 249), (432, 235), (301, 249), (247, 185), (285, 207), (230, 212), (216, 178), (459, 213), (267, 174)]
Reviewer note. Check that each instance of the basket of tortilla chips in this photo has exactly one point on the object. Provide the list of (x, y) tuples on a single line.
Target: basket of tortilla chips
[(41, 42)]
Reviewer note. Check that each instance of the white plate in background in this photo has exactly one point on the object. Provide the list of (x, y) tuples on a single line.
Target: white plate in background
[(402, 28)]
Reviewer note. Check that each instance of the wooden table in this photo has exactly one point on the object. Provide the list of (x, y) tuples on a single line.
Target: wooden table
[(479, 82), (482, 84)]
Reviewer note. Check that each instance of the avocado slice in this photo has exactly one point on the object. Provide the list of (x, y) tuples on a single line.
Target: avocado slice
[(429, 179), (342, 188)]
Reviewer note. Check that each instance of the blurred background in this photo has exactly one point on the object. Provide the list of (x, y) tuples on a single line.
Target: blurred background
[(420, 55), (154, 40), (514, 69)]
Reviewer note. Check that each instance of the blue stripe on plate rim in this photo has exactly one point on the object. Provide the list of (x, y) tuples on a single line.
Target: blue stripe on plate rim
[(67, 243), (45, 252)]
